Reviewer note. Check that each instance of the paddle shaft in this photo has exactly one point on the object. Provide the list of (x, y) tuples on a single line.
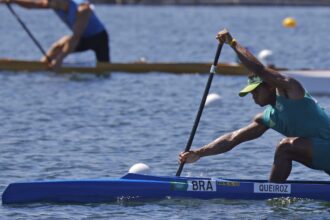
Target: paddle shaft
[(202, 104), (28, 31)]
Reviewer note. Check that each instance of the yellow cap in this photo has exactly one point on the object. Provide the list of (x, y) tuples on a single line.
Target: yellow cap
[(253, 83)]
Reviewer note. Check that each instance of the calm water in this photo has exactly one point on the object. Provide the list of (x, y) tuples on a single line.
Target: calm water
[(64, 127)]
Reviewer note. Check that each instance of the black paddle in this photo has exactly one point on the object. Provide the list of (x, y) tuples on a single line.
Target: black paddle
[(202, 104), (27, 31)]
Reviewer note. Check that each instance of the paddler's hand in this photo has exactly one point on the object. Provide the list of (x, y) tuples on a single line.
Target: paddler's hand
[(224, 36), (188, 157), (52, 65)]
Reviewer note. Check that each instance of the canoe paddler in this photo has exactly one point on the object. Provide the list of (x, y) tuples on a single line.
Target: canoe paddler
[(290, 110), (88, 33)]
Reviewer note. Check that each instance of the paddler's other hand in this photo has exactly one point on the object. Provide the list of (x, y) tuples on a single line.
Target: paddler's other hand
[(51, 64), (188, 157), (224, 36), (54, 65)]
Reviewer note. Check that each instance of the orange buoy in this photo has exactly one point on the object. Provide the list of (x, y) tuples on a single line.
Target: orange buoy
[(289, 22)]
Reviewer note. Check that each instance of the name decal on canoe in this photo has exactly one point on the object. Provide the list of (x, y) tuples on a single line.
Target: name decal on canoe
[(272, 188), (202, 185)]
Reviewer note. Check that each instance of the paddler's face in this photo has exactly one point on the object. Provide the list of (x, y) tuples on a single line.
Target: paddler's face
[(262, 95)]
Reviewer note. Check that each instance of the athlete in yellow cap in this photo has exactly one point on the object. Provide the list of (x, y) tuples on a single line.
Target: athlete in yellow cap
[(290, 110)]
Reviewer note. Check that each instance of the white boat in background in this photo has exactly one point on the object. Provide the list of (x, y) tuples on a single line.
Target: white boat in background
[(317, 82)]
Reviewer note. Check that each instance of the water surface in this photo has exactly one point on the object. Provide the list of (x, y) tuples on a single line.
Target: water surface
[(73, 127)]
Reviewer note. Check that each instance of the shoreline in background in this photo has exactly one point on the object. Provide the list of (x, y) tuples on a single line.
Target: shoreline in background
[(219, 2)]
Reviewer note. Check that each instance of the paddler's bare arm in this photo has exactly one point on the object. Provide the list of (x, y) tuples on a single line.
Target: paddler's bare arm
[(226, 142), (28, 3), (54, 4), (68, 44), (286, 86), (83, 14)]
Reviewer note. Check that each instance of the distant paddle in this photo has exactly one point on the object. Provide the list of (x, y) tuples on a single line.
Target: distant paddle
[(202, 104), (27, 31)]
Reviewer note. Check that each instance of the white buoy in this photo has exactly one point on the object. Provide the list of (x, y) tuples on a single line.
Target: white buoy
[(139, 168), (266, 57), (143, 60), (212, 98)]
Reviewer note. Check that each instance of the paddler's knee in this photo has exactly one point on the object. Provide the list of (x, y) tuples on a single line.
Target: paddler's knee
[(283, 148)]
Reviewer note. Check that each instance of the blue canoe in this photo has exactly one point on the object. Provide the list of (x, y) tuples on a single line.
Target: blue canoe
[(145, 187)]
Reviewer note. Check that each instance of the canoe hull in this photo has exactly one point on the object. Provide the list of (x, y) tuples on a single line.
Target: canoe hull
[(145, 187), (106, 68)]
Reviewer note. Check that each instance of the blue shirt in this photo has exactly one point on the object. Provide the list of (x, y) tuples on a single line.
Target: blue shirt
[(94, 24), (298, 118)]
